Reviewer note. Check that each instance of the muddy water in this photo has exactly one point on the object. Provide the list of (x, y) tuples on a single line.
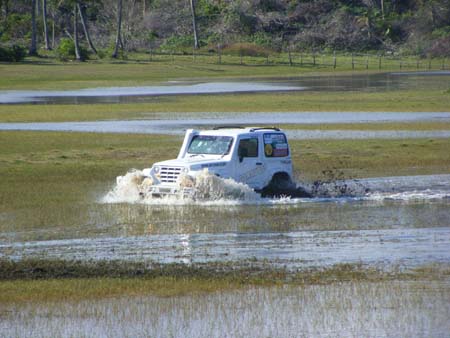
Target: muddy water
[(399, 221), (360, 82)]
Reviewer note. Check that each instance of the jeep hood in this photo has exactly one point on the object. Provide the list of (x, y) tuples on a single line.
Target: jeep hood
[(196, 162)]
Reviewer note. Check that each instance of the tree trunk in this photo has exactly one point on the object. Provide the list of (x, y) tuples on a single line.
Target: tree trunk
[(144, 5), (119, 24), (85, 28), (194, 24), (75, 33), (53, 31), (5, 4), (33, 48), (382, 9), (44, 20)]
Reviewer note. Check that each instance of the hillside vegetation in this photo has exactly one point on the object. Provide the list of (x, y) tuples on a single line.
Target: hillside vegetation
[(78, 29)]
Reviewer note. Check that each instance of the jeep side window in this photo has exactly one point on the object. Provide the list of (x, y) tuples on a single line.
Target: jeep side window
[(275, 145), (248, 147)]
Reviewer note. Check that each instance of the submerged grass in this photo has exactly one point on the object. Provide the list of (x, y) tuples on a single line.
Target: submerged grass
[(348, 309), (47, 280), (394, 101)]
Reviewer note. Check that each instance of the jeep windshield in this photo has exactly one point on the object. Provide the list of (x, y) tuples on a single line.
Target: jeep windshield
[(210, 145)]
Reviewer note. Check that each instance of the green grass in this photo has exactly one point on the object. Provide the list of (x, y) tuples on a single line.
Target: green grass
[(93, 74), (142, 69), (392, 126), (397, 101), (51, 168), (66, 165), (371, 158), (52, 280)]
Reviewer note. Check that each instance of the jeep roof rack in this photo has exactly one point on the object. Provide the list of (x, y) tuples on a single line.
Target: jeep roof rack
[(262, 128), (228, 127)]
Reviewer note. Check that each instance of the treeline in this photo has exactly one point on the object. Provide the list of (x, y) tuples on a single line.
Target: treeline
[(77, 28)]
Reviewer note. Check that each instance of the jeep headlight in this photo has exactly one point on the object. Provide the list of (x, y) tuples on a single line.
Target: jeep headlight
[(156, 169), (185, 170)]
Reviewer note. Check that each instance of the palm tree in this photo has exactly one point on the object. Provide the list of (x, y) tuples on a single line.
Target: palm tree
[(75, 33), (194, 24), (119, 24), (44, 20), (85, 27), (33, 48)]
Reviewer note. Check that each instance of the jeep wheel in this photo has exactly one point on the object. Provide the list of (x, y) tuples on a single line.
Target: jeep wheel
[(282, 185)]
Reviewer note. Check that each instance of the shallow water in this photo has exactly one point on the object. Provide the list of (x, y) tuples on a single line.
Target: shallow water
[(359, 82), (399, 221), (136, 94), (174, 124), (386, 309)]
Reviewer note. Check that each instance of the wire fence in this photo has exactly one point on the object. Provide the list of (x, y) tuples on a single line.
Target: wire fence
[(353, 61)]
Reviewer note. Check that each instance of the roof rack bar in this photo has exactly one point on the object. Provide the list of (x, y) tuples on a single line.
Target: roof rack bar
[(262, 128), (228, 127)]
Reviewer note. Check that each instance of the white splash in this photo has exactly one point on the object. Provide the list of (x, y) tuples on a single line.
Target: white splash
[(208, 190), (212, 190), (127, 189)]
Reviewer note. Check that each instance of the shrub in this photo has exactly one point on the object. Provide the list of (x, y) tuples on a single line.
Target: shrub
[(177, 43), (246, 49), (66, 50), (14, 53), (440, 48)]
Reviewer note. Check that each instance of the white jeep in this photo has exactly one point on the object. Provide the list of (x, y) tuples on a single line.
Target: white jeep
[(258, 157)]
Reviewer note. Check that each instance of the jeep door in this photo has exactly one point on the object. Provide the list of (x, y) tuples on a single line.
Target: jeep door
[(249, 168)]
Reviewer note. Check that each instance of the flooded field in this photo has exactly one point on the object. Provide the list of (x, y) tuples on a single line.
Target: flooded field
[(357, 82), (60, 203), (388, 222)]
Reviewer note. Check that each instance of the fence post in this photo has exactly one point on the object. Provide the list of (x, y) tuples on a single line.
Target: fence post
[(429, 63), (418, 64), (353, 61), (334, 59), (240, 55), (301, 59), (267, 59), (379, 62), (290, 57), (367, 61), (314, 58), (401, 64), (443, 64)]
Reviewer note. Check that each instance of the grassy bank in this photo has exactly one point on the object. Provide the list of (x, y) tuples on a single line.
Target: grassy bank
[(395, 101), (94, 74), (144, 69)]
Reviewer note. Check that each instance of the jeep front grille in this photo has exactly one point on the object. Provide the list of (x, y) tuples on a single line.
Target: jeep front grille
[(169, 174)]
